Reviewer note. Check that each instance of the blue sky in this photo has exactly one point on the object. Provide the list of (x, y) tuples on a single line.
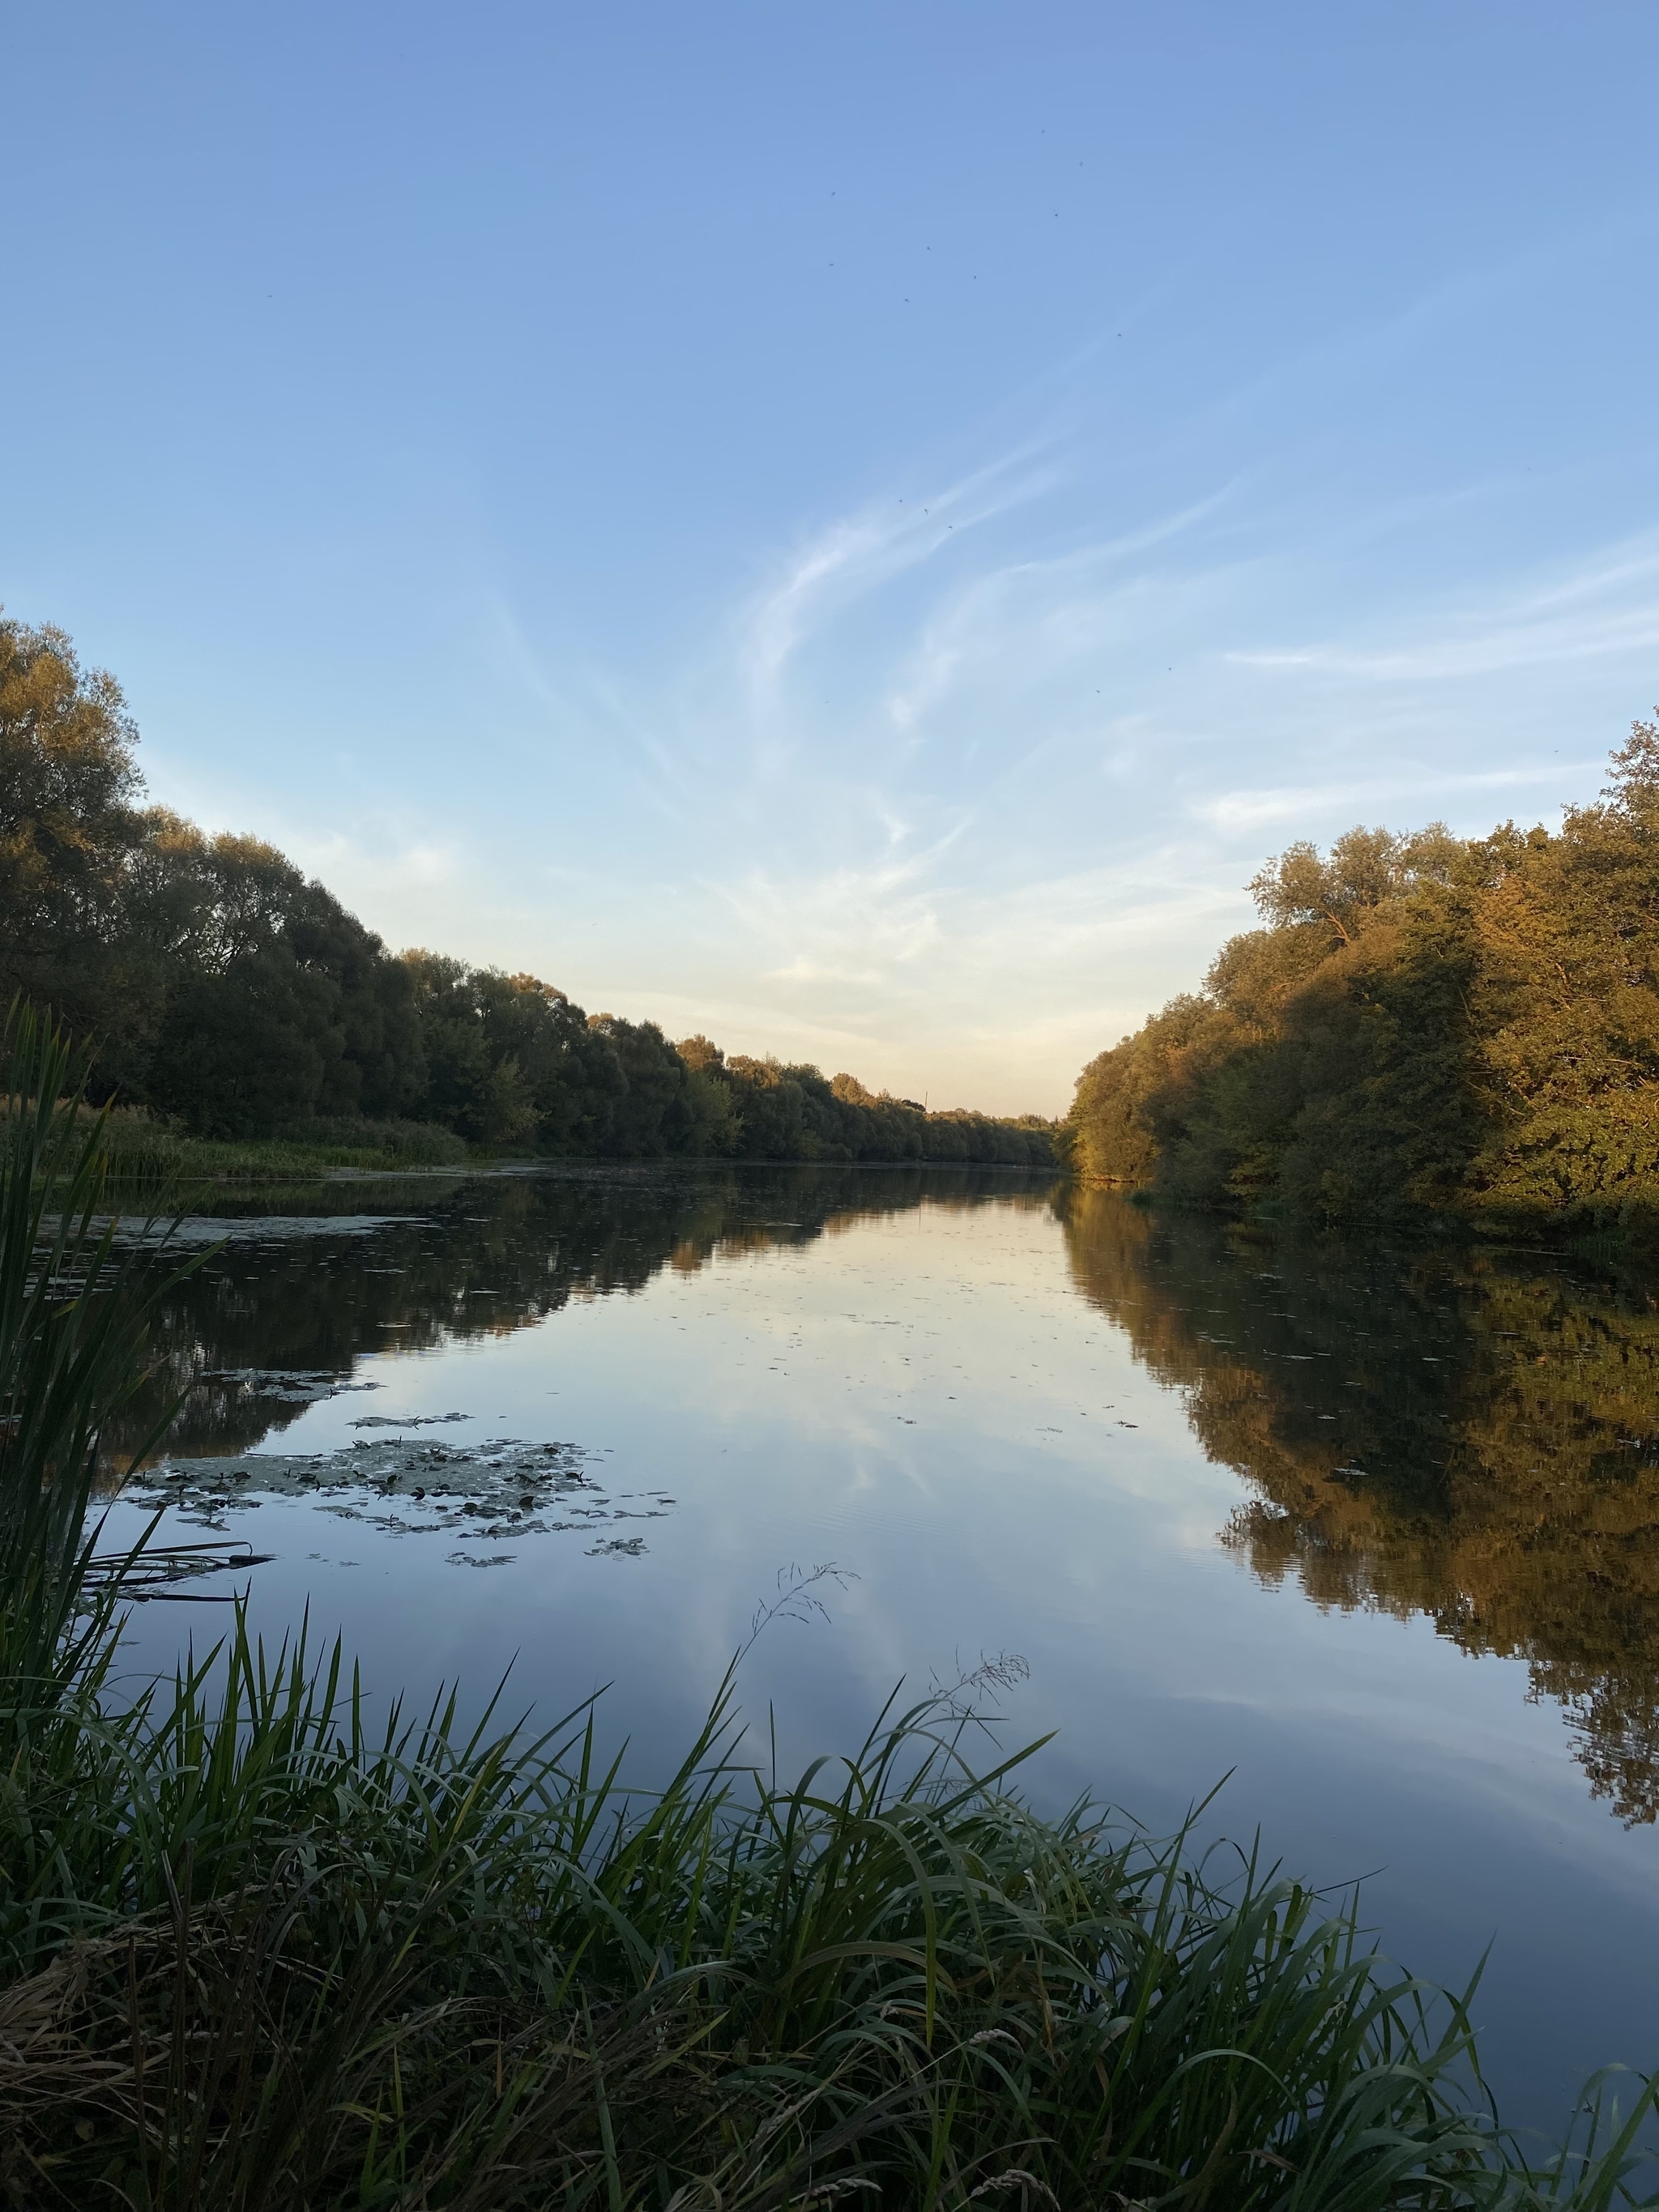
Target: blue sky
[(851, 528)]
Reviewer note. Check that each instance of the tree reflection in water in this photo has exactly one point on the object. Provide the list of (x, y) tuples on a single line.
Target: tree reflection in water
[(483, 1256), (1470, 1434)]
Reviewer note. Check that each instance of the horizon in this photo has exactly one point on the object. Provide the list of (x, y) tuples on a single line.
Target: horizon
[(856, 537)]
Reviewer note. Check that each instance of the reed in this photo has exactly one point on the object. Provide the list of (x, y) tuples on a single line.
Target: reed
[(74, 1324), (143, 1155), (259, 1954)]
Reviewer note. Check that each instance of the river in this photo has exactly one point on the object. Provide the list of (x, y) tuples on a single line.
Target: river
[(1364, 1540)]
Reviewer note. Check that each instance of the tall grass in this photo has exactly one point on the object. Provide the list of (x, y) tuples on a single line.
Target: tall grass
[(256, 1952), (73, 1330), (143, 1155)]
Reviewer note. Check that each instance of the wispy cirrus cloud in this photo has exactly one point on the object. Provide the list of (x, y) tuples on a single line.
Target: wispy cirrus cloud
[(1605, 608), (971, 779), (1027, 620), (1236, 813), (860, 553)]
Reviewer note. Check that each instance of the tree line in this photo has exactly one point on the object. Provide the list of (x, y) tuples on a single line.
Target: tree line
[(1422, 1025), (225, 992)]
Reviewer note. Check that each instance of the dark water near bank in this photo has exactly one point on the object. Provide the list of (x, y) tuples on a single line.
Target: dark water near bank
[(1374, 1534)]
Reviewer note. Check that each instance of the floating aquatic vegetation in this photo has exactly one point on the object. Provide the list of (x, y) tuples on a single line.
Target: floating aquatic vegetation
[(405, 1420), (503, 1488), (293, 1386)]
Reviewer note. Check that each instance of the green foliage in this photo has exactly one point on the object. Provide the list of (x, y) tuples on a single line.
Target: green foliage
[(73, 1331), (514, 1064), (397, 1142), (1424, 1024), (1569, 998), (279, 1005), (716, 1125), (649, 1115), (780, 1111), (256, 1954), (69, 828)]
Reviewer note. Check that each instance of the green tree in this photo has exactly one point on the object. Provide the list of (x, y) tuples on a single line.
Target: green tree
[(650, 1116), (1423, 1023), (278, 1004), (716, 1125), (575, 1077), (769, 1104), (475, 1083), (1569, 1001), (68, 825)]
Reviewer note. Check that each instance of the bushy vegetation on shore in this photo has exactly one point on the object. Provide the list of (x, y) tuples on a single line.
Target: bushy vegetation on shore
[(1424, 1024), (228, 998), (145, 1152), (256, 1954), (263, 1954)]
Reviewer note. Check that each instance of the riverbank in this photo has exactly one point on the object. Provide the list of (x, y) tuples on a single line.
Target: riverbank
[(252, 1955), (141, 1150), (143, 1154), (1621, 1237)]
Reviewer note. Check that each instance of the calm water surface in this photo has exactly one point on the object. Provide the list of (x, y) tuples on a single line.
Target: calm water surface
[(1373, 1535)]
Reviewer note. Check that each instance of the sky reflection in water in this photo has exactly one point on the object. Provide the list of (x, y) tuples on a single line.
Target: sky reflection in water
[(1375, 1534)]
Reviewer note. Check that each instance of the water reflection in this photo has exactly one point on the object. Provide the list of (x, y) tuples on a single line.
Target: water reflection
[(991, 1402), (1472, 1435), (1469, 1435), (280, 1316)]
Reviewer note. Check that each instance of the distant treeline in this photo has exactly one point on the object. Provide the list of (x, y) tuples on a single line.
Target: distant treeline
[(225, 992), (1424, 1024)]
